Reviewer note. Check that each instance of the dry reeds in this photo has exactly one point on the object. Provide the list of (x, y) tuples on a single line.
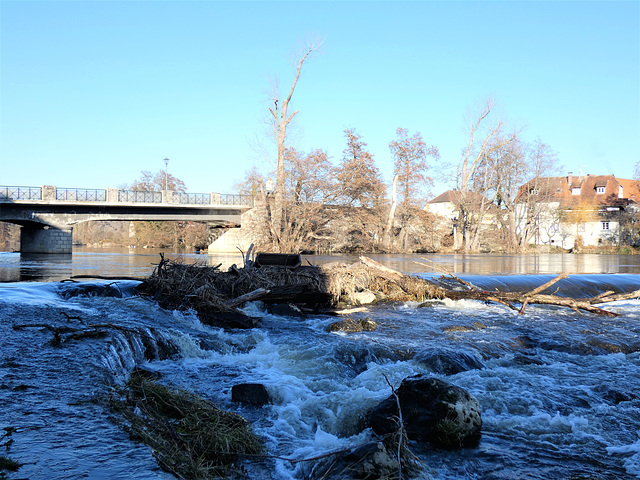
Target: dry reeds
[(190, 437), (347, 279), (208, 290)]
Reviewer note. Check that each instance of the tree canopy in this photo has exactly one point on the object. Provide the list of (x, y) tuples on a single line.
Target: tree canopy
[(157, 181), (360, 180)]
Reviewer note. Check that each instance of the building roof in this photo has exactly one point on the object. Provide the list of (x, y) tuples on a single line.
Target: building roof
[(453, 196), (450, 196), (593, 189)]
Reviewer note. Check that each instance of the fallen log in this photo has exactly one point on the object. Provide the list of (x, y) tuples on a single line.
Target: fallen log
[(526, 298), (247, 297), (534, 296)]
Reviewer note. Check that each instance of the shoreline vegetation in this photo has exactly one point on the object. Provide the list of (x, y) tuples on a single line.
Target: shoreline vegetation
[(192, 237)]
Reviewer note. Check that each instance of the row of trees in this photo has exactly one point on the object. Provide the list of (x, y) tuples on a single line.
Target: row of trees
[(317, 196), (310, 193)]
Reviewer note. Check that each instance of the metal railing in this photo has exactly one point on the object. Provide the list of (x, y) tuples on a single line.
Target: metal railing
[(20, 193), (135, 196), (192, 198), (51, 193), (231, 199), (81, 195)]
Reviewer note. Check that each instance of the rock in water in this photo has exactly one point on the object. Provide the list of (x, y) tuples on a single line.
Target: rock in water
[(448, 361), (433, 410), (349, 325), (251, 393)]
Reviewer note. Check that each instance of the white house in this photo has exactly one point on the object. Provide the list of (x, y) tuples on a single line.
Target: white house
[(559, 210)]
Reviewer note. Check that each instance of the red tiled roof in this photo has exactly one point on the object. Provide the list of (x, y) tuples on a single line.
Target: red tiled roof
[(559, 189)]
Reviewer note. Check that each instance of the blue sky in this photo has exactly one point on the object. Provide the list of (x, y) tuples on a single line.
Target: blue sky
[(94, 92)]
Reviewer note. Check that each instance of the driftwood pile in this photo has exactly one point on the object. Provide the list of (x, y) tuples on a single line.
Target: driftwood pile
[(216, 295)]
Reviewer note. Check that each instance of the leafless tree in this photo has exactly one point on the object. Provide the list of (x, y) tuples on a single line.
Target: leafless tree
[(280, 120), (411, 167), (157, 181), (251, 184), (475, 182), (410, 158), (532, 204), (360, 181), (309, 187)]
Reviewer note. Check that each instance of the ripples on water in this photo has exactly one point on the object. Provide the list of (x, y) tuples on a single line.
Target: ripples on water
[(559, 391)]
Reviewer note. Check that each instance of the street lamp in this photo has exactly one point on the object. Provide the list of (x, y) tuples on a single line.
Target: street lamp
[(166, 175)]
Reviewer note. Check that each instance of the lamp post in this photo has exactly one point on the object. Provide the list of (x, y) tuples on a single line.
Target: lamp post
[(166, 175)]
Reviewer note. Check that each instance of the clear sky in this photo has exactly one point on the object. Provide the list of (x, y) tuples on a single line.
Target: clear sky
[(94, 92)]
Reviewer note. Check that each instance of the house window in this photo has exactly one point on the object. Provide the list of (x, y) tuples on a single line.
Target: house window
[(605, 225), (534, 191), (575, 191), (600, 189)]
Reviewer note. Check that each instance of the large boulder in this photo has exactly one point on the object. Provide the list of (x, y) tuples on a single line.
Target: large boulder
[(252, 393), (448, 361), (433, 410)]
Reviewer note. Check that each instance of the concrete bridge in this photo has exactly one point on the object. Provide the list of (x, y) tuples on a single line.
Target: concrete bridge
[(47, 214)]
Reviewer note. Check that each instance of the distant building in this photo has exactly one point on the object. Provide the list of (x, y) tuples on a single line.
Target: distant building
[(596, 209), (447, 206)]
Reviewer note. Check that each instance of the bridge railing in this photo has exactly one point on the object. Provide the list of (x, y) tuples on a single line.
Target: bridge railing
[(192, 198), (136, 196), (81, 195), (231, 199), (20, 193), (49, 193)]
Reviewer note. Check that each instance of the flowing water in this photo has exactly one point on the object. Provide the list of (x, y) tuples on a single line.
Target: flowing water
[(559, 391)]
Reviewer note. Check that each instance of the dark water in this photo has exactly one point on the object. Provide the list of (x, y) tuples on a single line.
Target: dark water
[(559, 391)]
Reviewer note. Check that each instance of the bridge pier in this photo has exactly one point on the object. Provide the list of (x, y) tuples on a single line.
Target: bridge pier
[(46, 240)]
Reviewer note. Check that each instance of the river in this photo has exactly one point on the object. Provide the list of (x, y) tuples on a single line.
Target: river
[(559, 391)]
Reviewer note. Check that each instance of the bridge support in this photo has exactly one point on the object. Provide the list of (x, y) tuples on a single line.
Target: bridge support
[(46, 240)]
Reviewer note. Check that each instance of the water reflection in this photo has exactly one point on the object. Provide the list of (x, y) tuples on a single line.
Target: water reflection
[(22, 267), (15, 267), (492, 264)]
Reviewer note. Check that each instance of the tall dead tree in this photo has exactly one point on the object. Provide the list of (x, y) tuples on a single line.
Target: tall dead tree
[(280, 119), (411, 167), (472, 185)]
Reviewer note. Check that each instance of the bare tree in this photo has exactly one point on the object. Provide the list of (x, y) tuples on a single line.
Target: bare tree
[(410, 158), (155, 182), (310, 186), (280, 119), (359, 178), (532, 205), (309, 178), (251, 184), (475, 182)]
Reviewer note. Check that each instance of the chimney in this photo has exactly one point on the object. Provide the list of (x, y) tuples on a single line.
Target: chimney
[(570, 179)]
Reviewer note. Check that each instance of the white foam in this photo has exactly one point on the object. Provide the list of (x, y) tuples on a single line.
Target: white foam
[(632, 451), (35, 293)]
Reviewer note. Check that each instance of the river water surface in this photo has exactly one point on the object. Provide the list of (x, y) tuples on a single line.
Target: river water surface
[(559, 391)]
